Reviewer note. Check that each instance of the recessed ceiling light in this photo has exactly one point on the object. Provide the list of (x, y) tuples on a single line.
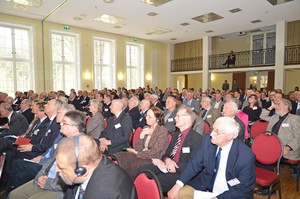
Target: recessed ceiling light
[(108, 1), (117, 27), (209, 31), (77, 18), (208, 17), (152, 14), (185, 24), (276, 2), (20, 6), (256, 21), (158, 31), (155, 2), (105, 18), (235, 10), (173, 39)]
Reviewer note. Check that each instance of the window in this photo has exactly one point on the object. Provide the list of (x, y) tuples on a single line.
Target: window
[(104, 63), (16, 59), (134, 65), (65, 61)]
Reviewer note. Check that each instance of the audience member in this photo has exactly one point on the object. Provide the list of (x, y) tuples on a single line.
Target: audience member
[(208, 113), (230, 174), (182, 148), (133, 111), (253, 110), (230, 60), (152, 143), (96, 125), (26, 111), (191, 102), (170, 113)]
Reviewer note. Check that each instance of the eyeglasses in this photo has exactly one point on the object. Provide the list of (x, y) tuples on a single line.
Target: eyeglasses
[(65, 123)]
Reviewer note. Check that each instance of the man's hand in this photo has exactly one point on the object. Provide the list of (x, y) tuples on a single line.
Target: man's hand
[(25, 148), (42, 181), (171, 165), (104, 141), (37, 159), (174, 192), (159, 163)]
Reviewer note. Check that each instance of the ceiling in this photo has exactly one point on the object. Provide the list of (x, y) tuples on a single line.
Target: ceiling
[(136, 21)]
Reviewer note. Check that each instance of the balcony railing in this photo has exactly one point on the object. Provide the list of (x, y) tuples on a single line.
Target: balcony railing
[(186, 64), (253, 58), (292, 55)]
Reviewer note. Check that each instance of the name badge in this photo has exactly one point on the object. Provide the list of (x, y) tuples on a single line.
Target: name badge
[(36, 131), (117, 126), (55, 145), (170, 119), (285, 125), (141, 119), (208, 116), (106, 109), (192, 108), (185, 149), (49, 131), (254, 108), (233, 182)]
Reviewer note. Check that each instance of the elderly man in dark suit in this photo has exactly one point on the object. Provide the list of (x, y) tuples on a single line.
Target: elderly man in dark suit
[(115, 137), (17, 123), (134, 111), (94, 175), (182, 148), (25, 109), (223, 165)]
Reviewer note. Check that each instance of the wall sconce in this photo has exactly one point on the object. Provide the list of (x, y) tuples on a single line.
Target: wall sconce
[(120, 76), (87, 75), (148, 77), (212, 77)]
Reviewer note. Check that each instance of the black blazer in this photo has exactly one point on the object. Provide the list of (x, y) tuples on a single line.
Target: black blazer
[(108, 181), (192, 141), (28, 115), (118, 132), (134, 113), (18, 125)]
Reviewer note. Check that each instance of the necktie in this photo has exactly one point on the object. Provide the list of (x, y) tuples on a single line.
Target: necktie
[(34, 128), (217, 163), (176, 146), (204, 113), (81, 193)]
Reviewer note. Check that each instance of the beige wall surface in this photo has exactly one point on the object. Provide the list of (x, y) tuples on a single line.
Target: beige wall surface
[(236, 45), (292, 77), (217, 79), (293, 32), (86, 52), (195, 81)]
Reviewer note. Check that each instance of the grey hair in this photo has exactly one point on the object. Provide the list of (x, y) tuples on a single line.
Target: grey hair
[(230, 125)]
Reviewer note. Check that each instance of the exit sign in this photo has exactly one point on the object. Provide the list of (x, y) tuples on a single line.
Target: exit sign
[(66, 27)]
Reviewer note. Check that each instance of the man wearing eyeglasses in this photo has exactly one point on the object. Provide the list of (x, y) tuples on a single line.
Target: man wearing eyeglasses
[(182, 148), (223, 166)]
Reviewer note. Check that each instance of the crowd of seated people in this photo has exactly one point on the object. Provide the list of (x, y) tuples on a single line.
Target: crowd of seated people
[(111, 117)]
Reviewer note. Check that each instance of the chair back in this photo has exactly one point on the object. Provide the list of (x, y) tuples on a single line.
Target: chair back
[(206, 127), (105, 123), (147, 186), (115, 159), (258, 127), (2, 161), (267, 148), (136, 135), (88, 120), (169, 137)]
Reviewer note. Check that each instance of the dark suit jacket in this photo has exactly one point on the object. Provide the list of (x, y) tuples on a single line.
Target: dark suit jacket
[(142, 120), (44, 141), (159, 105), (17, 125), (108, 181), (240, 165), (84, 101), (192, 141), (106, 111), (241, 135), (170, 122), (118, 132), (134, 113), (28, 115), (76, 104)]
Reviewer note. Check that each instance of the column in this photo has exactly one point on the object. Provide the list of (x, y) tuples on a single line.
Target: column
[(280, 52), (206, 48)]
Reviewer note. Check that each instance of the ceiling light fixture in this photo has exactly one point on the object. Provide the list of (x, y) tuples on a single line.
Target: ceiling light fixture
[(108, 1), (27, 3)]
